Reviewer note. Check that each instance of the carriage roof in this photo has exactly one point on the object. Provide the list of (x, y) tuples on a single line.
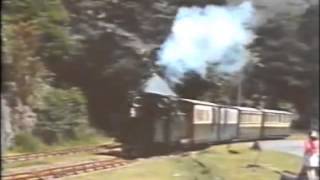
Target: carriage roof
[(247, 109), (276, 111), (199, 102)]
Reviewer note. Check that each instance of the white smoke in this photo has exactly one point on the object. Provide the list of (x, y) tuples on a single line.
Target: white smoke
[(210, 35)]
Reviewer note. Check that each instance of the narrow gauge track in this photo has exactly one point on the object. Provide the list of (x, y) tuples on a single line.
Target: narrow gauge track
[(32, 156), (59, 172), (70, 151)]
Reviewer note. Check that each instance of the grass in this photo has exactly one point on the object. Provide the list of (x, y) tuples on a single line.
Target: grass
[(85, 141), (215, 163)]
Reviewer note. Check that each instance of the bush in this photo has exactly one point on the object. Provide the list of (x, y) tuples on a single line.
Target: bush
[(26, 142), (63, 111), (87, 134)]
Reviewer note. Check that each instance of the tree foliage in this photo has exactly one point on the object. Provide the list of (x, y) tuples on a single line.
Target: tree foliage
[(215, 86), (62, 112), (35, 31), (289, 63), (50, 17)]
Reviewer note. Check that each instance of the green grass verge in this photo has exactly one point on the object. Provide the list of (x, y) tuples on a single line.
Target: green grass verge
[(82, 142), (215, 163)]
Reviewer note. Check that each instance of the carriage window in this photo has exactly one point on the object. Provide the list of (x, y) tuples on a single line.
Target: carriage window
[(282, 118), (278, 119), (256, 118), (232, 116), (202, 114), (285, 118), (270, 117), (246, 118)]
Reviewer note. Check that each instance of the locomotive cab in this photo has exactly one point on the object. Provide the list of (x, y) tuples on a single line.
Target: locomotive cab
[(146, 110)]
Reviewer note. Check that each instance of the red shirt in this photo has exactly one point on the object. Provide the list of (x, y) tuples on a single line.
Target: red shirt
[(311, 147)]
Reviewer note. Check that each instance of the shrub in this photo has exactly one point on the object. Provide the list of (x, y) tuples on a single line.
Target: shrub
[(26, 142), (63, 111), (85, 136)]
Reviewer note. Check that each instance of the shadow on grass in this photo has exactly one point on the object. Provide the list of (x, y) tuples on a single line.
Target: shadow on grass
[(285, 174)]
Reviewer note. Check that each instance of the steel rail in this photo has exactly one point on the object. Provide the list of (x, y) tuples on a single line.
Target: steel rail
[(69, 170), (31, 156)]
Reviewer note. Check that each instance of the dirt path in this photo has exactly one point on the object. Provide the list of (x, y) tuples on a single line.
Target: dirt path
[(294, 147)]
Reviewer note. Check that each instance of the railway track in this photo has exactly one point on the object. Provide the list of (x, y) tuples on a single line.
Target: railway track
[(63, 171), (32, 156), (70, 151)]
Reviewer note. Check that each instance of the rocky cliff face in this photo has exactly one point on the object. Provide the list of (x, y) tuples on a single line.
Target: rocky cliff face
[(15, 118), (6, 127)]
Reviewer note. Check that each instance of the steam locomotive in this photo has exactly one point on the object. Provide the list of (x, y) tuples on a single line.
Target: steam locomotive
[(160, 120)]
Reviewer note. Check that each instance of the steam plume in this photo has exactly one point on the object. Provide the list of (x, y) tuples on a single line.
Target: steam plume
[(210, 35)]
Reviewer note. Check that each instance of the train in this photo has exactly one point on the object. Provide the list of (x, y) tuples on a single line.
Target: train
[(160, 120)]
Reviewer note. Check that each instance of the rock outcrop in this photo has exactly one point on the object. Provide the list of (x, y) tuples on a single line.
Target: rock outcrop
[(6, 127)]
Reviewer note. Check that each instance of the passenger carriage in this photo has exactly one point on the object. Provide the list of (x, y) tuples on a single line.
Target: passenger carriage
[(276, 123), (249, 123)]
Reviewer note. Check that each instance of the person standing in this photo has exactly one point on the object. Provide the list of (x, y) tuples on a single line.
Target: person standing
[(311, 157)]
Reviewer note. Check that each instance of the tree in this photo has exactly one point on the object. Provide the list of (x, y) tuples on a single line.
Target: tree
[(289, 63), (192, 86)]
